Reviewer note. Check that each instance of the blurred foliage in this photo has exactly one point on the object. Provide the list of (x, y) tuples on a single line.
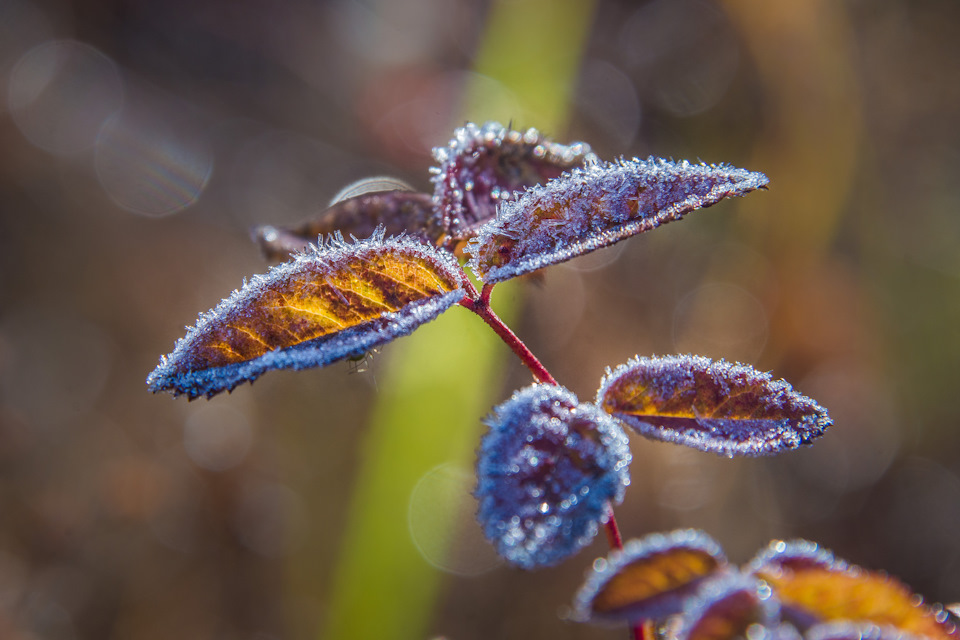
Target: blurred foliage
[(141, 140)]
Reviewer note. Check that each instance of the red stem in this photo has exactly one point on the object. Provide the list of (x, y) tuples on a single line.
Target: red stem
[(643, 631), (485, 294), (479, 303), (468, 286), (481, 307), (613, 532)]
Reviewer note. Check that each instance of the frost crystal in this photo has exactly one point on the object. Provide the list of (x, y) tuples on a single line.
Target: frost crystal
[(716, 406), (595, 206), (483, 166), (547, 470)]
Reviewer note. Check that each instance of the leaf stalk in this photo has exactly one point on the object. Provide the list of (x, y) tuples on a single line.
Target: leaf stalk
[(480, 305)]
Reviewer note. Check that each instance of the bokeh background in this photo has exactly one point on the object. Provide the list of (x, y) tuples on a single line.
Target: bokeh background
[(140, 140)]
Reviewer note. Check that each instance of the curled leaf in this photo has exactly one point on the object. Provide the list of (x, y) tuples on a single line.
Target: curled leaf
[(650, 578), (397, 211), (485, 165), (596, 206), (726, 606), (724, 408), (546, 473), (814, 587), (331, 302)]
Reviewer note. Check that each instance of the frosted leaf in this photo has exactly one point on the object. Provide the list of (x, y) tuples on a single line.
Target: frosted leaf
[(650, 578), (397, 211), (795, 555), (546, 472), (331, 302), (715, 406), (595, 206), (729, 606), (486, 165), (815, 587)]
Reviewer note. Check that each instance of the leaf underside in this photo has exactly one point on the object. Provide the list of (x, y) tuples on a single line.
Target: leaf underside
[(328, 303), (396, 211), (593, 207), (715, 406), (650, 579)]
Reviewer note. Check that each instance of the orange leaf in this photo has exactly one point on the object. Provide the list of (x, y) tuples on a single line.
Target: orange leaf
[(650, 578), (813, 587), (725, 408), (333, 302), (726, 606)]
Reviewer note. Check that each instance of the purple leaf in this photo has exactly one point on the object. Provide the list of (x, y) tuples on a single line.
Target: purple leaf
[(396, 211), (483, 166), (596, 206), (546, 472)]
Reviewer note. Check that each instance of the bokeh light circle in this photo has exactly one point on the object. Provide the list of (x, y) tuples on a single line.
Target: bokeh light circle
[(442, 525), (153, 161), (61, 92)]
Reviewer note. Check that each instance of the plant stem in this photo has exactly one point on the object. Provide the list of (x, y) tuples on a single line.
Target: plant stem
[(481, 307), (613, 532), (471, 290), (479, 303), (616, 542), (485, 294)]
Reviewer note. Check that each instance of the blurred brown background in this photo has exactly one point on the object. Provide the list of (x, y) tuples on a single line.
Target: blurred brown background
[(140, 140)]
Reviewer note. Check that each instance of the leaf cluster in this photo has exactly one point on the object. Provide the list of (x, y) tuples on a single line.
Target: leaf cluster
[(682, 584), (551, 467)]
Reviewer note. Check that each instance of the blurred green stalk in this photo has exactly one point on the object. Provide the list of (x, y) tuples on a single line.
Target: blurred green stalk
[(440, 381)]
